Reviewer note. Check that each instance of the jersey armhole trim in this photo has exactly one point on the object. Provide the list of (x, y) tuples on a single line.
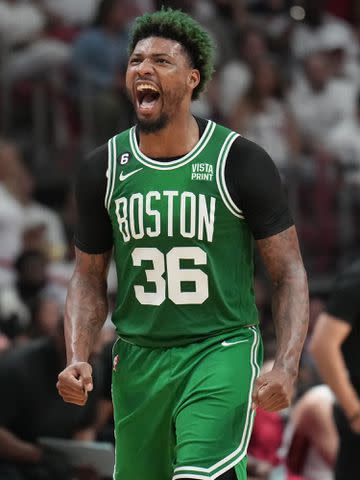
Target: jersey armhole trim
[(220, 175), (110, 173)]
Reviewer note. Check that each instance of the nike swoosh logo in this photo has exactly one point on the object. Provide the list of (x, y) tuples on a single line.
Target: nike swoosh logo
[(123, 176), (229, 344)]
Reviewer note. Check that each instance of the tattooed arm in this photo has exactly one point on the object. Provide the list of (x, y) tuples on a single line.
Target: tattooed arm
[(290, 305), (85, 313)]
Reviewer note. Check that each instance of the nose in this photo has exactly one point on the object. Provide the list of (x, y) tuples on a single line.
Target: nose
[(145, 67)]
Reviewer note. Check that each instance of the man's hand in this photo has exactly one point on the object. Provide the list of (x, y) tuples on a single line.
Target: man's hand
[(273, 390), (75, 382)]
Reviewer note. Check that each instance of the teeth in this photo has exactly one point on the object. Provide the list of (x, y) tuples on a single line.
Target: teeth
[(144, 86)]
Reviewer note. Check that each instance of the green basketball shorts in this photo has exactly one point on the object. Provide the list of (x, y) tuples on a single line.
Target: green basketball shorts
[(185, 412)]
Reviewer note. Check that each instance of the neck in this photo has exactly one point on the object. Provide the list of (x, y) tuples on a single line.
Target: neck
[(176, 139)]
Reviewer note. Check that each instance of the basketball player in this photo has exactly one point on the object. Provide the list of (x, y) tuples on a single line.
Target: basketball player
[(181, 200)]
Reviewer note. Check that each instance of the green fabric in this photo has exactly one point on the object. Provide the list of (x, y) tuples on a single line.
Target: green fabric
[(185, 412), (183, 251)]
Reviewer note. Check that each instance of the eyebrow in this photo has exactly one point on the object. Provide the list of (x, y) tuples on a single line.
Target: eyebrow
[(139, 54)]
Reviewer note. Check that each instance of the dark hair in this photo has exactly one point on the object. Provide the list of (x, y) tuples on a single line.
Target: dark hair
[(177, 25)]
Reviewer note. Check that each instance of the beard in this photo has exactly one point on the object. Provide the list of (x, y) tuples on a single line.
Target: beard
[(153, 126), (172, 100)]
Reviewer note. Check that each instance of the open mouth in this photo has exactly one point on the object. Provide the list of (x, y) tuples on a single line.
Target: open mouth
[(147, 96)]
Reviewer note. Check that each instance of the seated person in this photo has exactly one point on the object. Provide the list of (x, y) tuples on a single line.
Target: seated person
[(311, 435), (30, 407)]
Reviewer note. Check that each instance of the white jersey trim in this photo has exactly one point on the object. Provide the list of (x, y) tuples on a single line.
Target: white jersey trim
[(198, 148), (220, 175), (111, 172)]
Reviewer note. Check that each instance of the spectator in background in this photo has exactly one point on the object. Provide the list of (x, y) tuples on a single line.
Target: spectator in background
[(98, 63), (31, 408), (23, 35), (25, 221), (319, 103), (344, 142), (18, 302), (308, 34), (20, 22), (335, 347), (236, 75), (219, 18), (262, 117), (12, 217), (344, 67), (70, 12), (311, 440), (272, 17)]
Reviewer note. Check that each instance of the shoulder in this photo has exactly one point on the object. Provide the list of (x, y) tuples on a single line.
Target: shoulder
[(93, 163), (91, 174), (244, 154), (249, 154), (99, 154), (244, 145)]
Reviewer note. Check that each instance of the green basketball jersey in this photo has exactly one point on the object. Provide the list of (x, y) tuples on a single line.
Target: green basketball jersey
[(183, 251)]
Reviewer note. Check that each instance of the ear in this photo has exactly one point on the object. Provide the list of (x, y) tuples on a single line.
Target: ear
[(194, 79)]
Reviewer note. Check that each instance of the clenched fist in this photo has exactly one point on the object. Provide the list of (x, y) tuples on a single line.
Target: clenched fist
[(75, 382), (273, 390)]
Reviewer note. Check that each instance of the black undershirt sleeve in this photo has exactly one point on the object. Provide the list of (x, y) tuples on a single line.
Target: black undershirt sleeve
[(255, 187), (93, 231)]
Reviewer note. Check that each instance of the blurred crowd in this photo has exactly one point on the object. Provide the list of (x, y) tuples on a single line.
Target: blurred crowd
[(287, 77)]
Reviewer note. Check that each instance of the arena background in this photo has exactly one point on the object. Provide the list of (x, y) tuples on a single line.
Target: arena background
[(287, 77)]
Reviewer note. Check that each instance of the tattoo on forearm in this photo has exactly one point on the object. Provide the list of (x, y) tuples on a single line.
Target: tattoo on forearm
[(86, 305), (290, 303)]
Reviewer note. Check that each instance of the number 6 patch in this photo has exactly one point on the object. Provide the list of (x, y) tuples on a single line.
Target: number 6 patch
[(124, 158)]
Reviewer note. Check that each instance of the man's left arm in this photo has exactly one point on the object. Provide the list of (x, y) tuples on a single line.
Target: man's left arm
[(255, 186), (290, 306)]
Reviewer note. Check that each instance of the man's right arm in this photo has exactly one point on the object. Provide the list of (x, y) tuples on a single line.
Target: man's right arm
[(85, 313), (86, 305)]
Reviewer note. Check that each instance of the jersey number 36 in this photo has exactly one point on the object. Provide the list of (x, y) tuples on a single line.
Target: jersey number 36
[(175, 276)]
